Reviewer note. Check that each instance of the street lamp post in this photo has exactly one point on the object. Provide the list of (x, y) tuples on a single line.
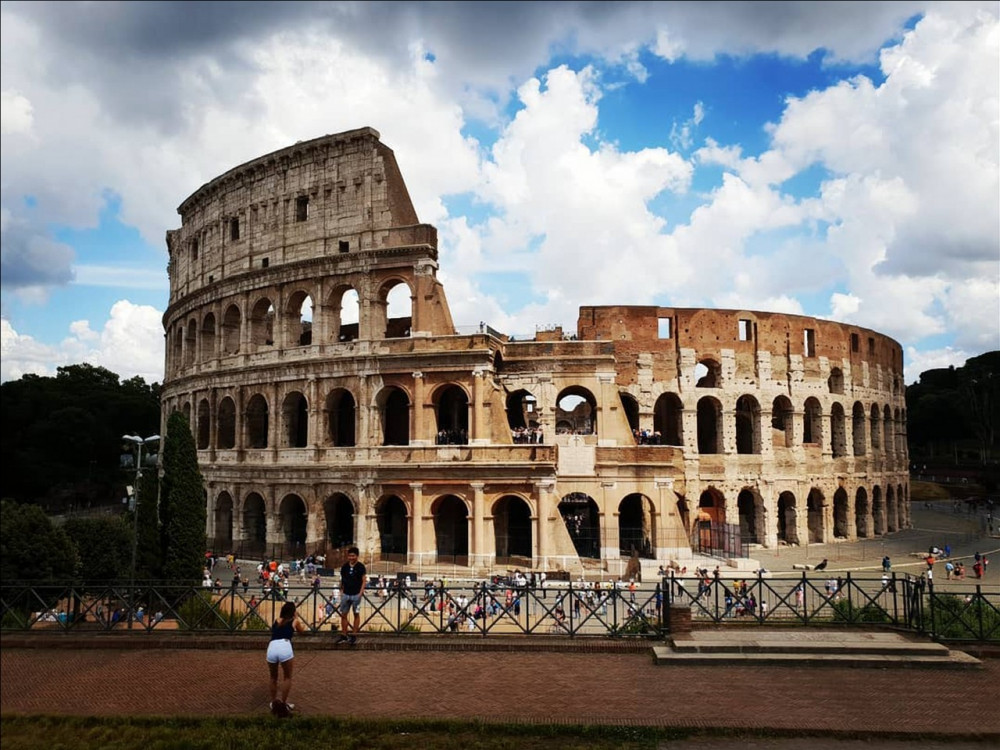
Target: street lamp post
[(139, 442)]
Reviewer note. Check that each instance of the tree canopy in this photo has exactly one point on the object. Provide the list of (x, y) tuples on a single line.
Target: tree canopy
[(182, 504)]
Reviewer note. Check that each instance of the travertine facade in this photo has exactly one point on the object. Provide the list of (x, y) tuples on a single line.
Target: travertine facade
[(317, 425)]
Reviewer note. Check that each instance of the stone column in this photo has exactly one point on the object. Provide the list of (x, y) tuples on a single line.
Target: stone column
[(543, 492), (610, 539), (361, 518), (604, 408), (417, 524), (478, 552), (479, 435), (312, 433), (418, 437), (213, 422)]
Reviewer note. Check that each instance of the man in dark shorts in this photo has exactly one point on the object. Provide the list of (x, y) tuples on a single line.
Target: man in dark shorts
[(352, 586)]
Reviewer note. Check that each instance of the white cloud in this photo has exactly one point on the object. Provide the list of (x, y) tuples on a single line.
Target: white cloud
[(15, 113)]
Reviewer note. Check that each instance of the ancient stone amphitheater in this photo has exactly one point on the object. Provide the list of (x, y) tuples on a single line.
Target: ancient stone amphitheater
[(333, 399)]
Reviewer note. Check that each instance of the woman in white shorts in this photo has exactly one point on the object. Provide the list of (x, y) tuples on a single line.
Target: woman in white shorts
[(279, 651)]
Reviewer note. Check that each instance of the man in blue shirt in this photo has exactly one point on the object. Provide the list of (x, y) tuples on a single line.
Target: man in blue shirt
[(353, 578)]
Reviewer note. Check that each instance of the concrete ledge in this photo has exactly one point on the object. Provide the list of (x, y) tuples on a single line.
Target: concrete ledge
[(664, 655)]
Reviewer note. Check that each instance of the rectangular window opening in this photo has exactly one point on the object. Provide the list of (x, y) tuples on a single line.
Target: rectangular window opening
[(194, 249), (302, 208), (345, 246), (234, 229), (855, 342), (871, 345), (264, 262), (810, 342), (663, 328), (746, 330)]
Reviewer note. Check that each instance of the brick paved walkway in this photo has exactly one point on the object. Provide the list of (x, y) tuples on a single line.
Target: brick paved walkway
[(620, 688)]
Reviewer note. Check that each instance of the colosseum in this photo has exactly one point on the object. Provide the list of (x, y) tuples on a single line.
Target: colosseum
[(333, 400)]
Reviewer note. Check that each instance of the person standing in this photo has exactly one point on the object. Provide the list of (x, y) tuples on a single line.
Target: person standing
[(353, 577), (279, 651)]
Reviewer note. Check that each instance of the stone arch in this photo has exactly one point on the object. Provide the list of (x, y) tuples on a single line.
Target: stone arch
[(888, 431), (631, 408), (292, 520), (393, 532), (750, 507), (177, 340), (903, 507), (747, 425), (858, 429), (788, 528), (891, 510), (636, 532), (190, 343), (297, 322), (862, 514), (232, 322), (338, 511), (876, 431), (782, 424), (204, 427), (225, 437), (262, 323), (838, 430), (522, 410), (393, 406), (345, 314), (816, 516), (684, 513), (512, 530), (878, 511), (841, 514), (257, 421), (583, 522), (295, 420), (709, 425), (451, 529), (186, 411), (206, 342), (395, 303), (668, 419), (900, 434), (812, 423), (708, 373), (255, 520), (711, 518), (341, 418), (576, 408), (224, 520), (835, 383), (451, 407)]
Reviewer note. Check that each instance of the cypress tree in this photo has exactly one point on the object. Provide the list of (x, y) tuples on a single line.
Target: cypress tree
[(149, 553), (183, 495)]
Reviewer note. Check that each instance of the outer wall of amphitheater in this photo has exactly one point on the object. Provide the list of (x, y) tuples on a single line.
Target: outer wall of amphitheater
[(333, 400)]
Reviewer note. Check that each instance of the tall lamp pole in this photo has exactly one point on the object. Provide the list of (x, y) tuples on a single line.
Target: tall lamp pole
[(139, 442)]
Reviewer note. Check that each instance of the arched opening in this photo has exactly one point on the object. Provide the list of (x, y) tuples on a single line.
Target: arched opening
[(224, 521), (838, 431), (747, 425), (583, 522), (711, 520), (899, 432), (395, 412), (298, 319), (635, 527), (841, 514), (858, 428), (522, 414), (204, 424), (576, 411), (876, 429), (340, 418), (292, 517), (231, 323), (782, 426), (668, 419), (751, 511), (339, 512), (836, 381), (684, 513), (891, 511), (390, 517), (226, 437), (345, 307), (190, 343), (708, 374), (631, 408), (295, 415), (862, 514), (452, 416), (257, 421), (812, 425), (451, 530), (207, 342), (709, 425), (878, 511), (398, 310), (815, 516), (512, 531), (255, 524), (177, 340), (902, 506), (788, 531), (888, 431), (187, 414), (262, 323)]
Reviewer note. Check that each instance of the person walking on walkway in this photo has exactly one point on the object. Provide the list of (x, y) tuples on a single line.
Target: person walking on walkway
[(353, 577), (279, 651)]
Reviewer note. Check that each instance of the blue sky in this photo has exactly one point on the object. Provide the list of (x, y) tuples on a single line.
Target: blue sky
[(831, 159)]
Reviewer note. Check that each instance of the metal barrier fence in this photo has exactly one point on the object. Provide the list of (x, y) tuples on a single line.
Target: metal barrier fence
[(562, 608)]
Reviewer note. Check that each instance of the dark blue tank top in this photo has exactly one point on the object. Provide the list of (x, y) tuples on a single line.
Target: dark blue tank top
[(279, 632)]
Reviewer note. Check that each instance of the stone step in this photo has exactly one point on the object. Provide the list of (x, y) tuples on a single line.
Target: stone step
[(904, 648), (665, 655)]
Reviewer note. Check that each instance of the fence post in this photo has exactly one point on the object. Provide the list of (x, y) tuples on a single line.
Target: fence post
[(805, 606), (981, 631)]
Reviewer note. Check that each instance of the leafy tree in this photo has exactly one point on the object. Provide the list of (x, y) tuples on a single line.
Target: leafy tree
[(183, 504), (104, 547), (32, 548), (979, 385)]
